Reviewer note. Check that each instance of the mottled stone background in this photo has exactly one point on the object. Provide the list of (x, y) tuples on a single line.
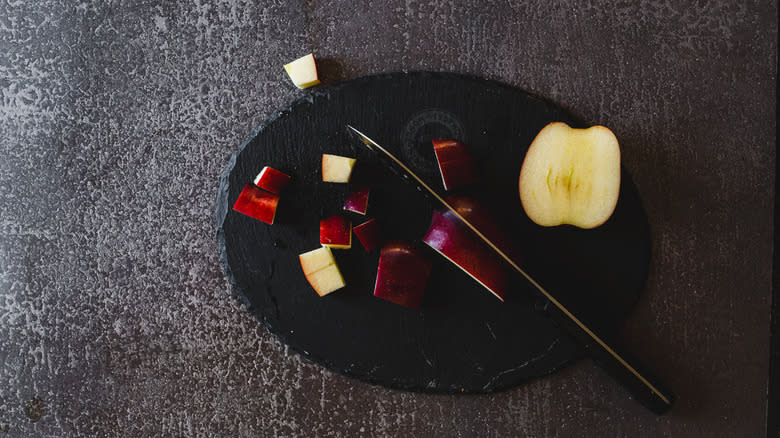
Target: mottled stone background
[(118, 116)]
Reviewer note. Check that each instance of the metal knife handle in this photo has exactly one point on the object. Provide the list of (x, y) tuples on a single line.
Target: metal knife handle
[(643, 386)]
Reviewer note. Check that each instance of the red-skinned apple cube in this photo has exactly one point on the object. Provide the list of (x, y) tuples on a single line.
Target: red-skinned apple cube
[(336, 232), (402, 274), (449, 150), (358, 200), (458, 173), (271, 180), (257, 203), (456, 243), (485, 219), (456, 166), (369, 234)]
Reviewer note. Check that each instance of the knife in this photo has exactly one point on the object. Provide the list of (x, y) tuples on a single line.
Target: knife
[(644, 387)]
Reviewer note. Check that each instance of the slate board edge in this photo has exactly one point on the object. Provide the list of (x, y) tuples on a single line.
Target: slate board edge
[(221, 210)]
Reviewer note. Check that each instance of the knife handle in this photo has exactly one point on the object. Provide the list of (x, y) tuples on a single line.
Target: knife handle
[(644, 387)]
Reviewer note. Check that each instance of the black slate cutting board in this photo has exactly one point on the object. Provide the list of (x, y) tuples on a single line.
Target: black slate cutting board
[(462, 339)]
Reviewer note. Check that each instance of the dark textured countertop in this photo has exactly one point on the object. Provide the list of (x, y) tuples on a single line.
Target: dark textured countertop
[(116, 119)]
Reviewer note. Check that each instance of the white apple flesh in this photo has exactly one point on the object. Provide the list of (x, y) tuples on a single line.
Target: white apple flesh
[(571, 176), (303, 71), (321, 271), (336, 168)]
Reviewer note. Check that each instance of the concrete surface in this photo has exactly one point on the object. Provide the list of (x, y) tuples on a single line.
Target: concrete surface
[(118, 116)]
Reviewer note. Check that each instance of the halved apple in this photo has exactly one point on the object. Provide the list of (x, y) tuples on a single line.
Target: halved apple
[(336, 232), (271, 180), (571, 176), (456, 166), (336, 168), (321, 271), (303, 71), (368, 234), (358, 200), (257, 203), (402, 274)]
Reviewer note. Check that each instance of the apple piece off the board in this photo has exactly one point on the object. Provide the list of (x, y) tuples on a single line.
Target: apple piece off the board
[(257, 203), (336, 168), (456, 166), (368, 234), (456, 243), (303, 71), (571, 176), (358, 200), (271, 180), (402, 274), (321, 271), (336, 232)]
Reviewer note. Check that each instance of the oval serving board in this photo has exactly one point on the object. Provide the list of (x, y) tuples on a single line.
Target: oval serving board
[(462, 339)]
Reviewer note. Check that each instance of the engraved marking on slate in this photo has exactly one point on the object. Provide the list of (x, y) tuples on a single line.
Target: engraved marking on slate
[(418, 132)]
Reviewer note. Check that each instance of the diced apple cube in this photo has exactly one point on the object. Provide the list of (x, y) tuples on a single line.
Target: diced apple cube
[(257, 203), (358, 200), (368, 234), (336, 232), (336, 168), (402, 274), (456, 166), (303, 71), (315, 260), (326, 280), (271, 180)]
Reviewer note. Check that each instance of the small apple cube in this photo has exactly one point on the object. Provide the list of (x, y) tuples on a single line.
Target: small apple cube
[(368, 234), (456, 166), (336, 168), (321, 271), (402, 274), (271, 180), (457, 244), (336, 232), (257, 203), (447, 149), (316, 259), (303, 71), (358, 200)]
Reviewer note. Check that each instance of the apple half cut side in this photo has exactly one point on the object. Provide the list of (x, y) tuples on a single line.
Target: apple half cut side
[(368, 234), (358, 200), (452, 239), (271, 180), (571, 176), (257, 203), (336, 232), (321, 271), (336, 168), (456, 166), (402, 274), (303, 71)]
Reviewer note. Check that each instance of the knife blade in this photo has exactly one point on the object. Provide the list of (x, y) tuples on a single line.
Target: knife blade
[(641, 384)]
